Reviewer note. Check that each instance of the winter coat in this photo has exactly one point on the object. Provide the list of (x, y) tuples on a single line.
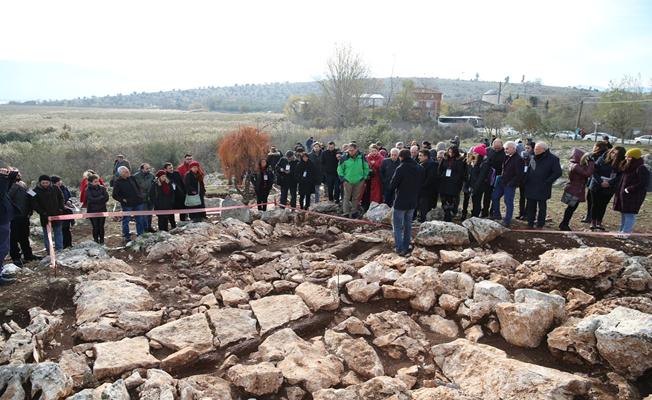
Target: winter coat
[(145, 182), (263, 181), (387, 168), (48, 202), (21, 200), (496, 160), (329, 162), (273, 159), (543, 171), (375, 182), (513, 171), (430, 178), (606, 170), (406, 183), (317, 159), (354, 169), (127, 192), (478, 174), (160, 199), (194, 182), (7, 209), (451, 185), (306, 177), (286, 176), (178, 187), (82, 190), (578, 175), (634, 178), (96, 198)]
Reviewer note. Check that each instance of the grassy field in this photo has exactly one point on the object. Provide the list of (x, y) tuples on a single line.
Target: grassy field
[(67, 141)]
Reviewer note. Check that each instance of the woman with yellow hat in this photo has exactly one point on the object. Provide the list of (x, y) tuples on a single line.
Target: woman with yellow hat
[(632, 189)]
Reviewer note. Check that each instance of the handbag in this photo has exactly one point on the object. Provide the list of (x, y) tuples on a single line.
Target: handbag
[(569, 199), (193, 200)]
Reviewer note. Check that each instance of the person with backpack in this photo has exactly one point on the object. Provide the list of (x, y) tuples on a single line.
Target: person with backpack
[(631, 191), (511, 176), (96, 199), (602, 185), (580, 169)]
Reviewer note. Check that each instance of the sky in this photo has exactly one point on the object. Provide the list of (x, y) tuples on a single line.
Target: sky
[(74, 48)]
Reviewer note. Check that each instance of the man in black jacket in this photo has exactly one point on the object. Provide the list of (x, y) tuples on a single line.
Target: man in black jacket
[(510, 178), (130, 196), (273, 157), (330, 163), (387, 168), (286, 170), (48, 202), (179, 189), (496, 156), (426, 193), (543, 171), (405, 183), (7, 176), (20, 224)]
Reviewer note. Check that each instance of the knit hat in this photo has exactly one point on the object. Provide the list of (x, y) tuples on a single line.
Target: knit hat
[(194, 164), (43, 178), (635, 153), (160, 173), (480, 150)]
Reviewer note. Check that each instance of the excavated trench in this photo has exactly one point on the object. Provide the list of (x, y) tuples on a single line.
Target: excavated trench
[(51, 293)]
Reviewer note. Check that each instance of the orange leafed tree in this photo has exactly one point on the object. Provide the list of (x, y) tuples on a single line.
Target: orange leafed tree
[(240, 151)]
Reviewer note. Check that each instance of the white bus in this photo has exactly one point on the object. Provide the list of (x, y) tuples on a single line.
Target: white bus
[(476, 122)]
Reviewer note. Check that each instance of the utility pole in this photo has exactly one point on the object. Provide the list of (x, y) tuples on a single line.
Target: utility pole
[(579, 115), (500, 88)]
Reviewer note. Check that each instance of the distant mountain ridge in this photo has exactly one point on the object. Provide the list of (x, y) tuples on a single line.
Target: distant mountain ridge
[(274, 96)]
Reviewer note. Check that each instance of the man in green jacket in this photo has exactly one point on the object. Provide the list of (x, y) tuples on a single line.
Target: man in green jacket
[(353, 171)]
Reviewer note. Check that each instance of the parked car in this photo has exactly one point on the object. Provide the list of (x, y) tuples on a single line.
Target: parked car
[(645, 139), (596, 137), (567, 135)]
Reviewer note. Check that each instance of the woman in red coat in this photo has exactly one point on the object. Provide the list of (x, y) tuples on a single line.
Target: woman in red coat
[(84, 185), (580, 170), (374, 159), (631, 190)]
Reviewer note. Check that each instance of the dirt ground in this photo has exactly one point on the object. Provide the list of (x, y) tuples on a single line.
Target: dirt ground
[(53, 290)]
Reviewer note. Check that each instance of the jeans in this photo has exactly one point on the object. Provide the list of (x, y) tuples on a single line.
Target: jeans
[(402, 223), (508, 193), (20, 239), (333, 187), (5, 232), (388, 197), (317, 189), (532, 206), (627, 222), (140, 221), (57, 232)]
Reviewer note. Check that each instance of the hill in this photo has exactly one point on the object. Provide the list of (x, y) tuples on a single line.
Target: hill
[(273, 96)]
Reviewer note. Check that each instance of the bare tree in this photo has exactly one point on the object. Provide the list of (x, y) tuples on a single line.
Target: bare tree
[(346, 80)]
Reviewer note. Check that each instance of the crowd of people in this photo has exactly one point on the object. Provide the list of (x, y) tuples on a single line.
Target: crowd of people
[(182, 188), (463, 183), (412, 179)]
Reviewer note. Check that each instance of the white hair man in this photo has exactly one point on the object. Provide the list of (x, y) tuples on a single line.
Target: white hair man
[(543, 171), (387, 168), (130, 195), (508, 181)]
